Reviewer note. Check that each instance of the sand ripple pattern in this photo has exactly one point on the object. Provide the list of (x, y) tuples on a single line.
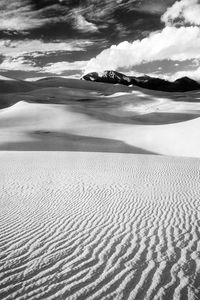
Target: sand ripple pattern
[(99, 226)]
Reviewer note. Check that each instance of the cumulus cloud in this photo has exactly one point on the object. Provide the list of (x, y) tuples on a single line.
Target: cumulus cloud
[(171, 43), (176, 43), (90, 16), (183, 12)]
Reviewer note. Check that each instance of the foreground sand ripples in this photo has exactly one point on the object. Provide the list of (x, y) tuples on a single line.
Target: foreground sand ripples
[(99, 226)]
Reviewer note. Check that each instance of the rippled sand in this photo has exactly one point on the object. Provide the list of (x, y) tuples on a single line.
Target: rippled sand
[(99, 226)]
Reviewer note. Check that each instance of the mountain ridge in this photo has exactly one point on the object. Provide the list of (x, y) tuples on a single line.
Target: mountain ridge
[(183, 84)]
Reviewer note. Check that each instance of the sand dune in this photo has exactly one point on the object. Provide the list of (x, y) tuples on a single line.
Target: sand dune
[(99, 226), (6, 78), (28, 123), (68, 114)]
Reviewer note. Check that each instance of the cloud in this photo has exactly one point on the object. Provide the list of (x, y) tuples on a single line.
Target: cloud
[(85, 16), (25, 15), (60, 67), (21, 54), (75, 17), (82, 24), (15, 48), (171, 43), (175, 43), (20, 63), (20, 16), (183, 12), (195, 75), (74, 76)]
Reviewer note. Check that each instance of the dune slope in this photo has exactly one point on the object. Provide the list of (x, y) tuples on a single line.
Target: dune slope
[(99, 226), (34, 126), (68, 114)]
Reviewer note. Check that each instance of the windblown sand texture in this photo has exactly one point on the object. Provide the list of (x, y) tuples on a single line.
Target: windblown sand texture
[(99, 226), (78, 223)]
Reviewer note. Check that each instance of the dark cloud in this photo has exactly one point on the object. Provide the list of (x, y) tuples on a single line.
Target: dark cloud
[(41, 4)]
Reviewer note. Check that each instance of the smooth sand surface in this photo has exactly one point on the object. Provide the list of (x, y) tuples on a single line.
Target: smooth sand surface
[(75, 115), (67, 114), (28, 123), (99, 226)]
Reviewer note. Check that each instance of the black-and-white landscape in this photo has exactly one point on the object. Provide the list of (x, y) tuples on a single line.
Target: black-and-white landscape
[(100, 149)]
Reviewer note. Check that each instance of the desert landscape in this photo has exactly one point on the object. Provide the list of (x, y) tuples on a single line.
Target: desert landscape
[(69, 114), (100, 150), (99, 202)]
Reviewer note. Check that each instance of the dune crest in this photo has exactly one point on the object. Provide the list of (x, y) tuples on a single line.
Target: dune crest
[(56, 123)]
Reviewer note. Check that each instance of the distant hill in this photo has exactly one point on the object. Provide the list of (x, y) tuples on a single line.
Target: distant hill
[(14, 86), (101, 85), (183, 84)]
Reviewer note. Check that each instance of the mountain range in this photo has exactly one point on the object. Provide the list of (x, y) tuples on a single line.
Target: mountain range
[(183, 84), (108, 82)]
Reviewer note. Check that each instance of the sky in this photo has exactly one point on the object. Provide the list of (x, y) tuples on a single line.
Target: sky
[(40, 38)]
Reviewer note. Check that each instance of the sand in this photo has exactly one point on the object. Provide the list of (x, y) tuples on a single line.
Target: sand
[(74, 115), (24, 125), (77, 222), (99, 226)]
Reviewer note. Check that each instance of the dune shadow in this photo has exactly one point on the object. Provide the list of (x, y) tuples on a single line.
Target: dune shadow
[(54, 141), (152, 118)]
